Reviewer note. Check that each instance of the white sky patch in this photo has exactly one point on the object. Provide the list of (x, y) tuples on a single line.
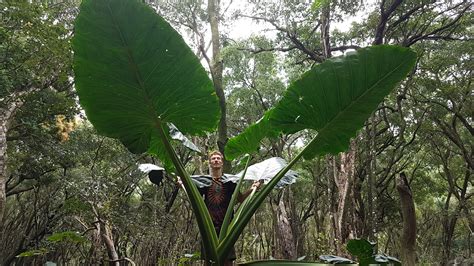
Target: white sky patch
[(244, 27)]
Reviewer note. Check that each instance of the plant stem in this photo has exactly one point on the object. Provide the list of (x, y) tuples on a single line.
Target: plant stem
[(230, 208), (251, 208), (206, 227)]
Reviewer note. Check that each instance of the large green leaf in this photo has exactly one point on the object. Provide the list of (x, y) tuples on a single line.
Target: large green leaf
[(334, 98), (134, 75), (134, 72)]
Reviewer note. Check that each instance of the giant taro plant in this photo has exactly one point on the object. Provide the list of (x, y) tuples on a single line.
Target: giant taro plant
[(135, 76)]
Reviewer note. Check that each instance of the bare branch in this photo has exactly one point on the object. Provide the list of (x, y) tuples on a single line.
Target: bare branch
[(291, 36), (345, 47), (384, 16), (271, 49), (436, 32)]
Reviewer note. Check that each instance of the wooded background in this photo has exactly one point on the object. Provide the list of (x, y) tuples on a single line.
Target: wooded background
[(71, 196)]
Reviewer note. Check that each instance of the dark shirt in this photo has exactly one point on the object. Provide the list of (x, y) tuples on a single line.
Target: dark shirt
[(217, 197)]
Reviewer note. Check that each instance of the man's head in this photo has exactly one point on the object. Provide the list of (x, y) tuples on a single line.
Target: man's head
[(216, 160)]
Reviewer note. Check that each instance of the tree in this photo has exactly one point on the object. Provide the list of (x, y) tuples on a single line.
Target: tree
[(35, 57), (193, 16)]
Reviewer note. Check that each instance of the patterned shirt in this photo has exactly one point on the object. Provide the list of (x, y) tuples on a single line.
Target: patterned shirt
[(217, 197)]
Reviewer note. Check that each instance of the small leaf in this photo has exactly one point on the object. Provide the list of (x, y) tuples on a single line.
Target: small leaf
[(361, 248), (267, 169), (34, 252), (66, 236)]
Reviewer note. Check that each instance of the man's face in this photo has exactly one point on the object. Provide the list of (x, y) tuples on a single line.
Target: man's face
[(215, 161)]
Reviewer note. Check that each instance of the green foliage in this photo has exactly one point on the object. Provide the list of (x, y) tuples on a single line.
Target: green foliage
[(134, 73), (283, 263), (32, 36), (362, 249), (365, 253), (70, 236), (334, 98), (33, 252), (187, 259), (249, 141)]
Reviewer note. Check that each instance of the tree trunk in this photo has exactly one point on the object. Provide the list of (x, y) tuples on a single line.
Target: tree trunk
[(408, 243), (3, 161), (110, 246), (343, 180), (371, 179), (287, 248), (286, 234), (6, 115), (94, 251), (332, 171), (325, 22), (217, 68), (449, 224)]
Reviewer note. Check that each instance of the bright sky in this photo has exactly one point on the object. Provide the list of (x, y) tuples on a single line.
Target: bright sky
[(243, 28)]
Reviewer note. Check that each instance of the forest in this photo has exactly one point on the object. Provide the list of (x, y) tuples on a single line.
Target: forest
[(393, 170)]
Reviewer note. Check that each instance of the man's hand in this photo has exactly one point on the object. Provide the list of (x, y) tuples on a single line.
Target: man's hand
[(256, 185), (179, 182)]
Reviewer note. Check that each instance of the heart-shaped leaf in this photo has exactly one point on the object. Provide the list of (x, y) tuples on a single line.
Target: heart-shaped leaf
[(334, 98), (134, 73)]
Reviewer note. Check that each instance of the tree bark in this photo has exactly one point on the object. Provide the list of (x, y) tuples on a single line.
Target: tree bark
[(449, 224), (94, 251), (217, 68), (325, 22), (343, 180), (385, 14), (6, 115), (408, 242), (3, 159), (110, 246), (286, 234), (371, 179)]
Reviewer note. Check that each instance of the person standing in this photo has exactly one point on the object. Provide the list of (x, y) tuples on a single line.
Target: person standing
[(217, 197)]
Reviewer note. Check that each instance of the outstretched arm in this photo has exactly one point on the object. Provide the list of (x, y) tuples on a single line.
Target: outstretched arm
[(255, 186)]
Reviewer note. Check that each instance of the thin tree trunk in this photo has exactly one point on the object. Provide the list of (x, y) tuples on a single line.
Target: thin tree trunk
[(371, 180), (325, 23), (343, 180), (331, 162), (110, 246), (408, 242), (217, 68), (449, 224), (94, 251), (6, 115), (3, 168), (288, 248)]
